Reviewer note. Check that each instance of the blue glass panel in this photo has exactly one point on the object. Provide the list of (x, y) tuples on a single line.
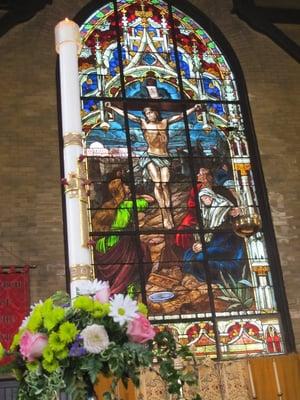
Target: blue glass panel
[(188, 151)]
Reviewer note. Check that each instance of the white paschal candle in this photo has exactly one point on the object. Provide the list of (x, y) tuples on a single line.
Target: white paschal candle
[(68, 45)]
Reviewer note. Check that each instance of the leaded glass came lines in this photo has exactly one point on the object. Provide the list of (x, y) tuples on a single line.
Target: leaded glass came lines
[(167, 150)]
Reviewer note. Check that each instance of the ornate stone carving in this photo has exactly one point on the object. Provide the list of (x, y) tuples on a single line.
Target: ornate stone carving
[(226, 380)]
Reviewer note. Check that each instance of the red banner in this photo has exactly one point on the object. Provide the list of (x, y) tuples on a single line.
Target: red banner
[(14, 301)]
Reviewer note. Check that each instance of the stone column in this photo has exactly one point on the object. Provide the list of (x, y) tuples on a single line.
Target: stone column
[(67, 42)]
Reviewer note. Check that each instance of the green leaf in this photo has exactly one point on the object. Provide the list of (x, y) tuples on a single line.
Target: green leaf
[(225, 298), (184, 351), (225, 292), (189, 378), (233, 306), (61, 298), (240, 291), (135, 378), (174, 387), (197, 397), (245, 282), (233, 282), (244, 271), (107, 396), (249, 302)]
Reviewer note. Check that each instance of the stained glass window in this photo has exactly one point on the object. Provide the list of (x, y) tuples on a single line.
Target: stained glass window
[(174, 215)]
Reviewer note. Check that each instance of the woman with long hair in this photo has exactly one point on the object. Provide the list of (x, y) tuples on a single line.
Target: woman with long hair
[(119, 257)]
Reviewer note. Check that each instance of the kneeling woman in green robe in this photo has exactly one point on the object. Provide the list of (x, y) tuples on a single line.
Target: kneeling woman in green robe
[(120, 258)]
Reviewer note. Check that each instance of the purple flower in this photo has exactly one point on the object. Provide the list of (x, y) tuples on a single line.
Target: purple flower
[(77, 349)]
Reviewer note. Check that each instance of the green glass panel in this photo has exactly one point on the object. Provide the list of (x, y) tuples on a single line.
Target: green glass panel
[(153, 136), (100, 14)]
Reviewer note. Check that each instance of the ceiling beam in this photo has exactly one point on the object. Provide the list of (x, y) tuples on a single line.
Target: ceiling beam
[(18, 11), (280, 15), (256, 18)]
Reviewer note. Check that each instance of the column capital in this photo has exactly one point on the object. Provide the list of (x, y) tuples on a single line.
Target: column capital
[(261, 270), (242, 167)]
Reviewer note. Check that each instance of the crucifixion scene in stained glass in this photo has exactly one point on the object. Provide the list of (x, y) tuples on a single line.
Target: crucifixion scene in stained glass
[(174, 214)]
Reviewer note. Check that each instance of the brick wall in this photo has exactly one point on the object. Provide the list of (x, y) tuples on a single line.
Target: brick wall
[(31, 216)]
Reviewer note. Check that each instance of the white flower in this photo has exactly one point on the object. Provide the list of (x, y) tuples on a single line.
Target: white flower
[(123, 309), (40, 302), (25, 322), (95, 338), (94, 287)]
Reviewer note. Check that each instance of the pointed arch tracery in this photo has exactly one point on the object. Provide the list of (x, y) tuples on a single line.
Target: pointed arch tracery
[(151, 176)]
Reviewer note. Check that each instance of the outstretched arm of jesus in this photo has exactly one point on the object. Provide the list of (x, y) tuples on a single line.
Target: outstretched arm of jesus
[(121, 112), (176, 118)]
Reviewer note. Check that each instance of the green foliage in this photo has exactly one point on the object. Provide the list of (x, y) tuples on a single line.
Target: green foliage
[(166, 351), (15, 366), (237, 293), (93, 365), (37, 385), (61, 367), (61, 298), (197, 397), (107, 396), (133, 289)]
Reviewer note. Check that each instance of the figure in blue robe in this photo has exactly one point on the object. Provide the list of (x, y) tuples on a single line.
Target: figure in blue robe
[(224, 251)]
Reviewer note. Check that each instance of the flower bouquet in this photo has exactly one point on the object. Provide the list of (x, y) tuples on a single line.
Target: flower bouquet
[(63, 346)]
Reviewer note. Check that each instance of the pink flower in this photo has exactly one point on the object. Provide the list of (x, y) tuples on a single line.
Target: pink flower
[(103, 294), (32, 345), (140, 330)]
